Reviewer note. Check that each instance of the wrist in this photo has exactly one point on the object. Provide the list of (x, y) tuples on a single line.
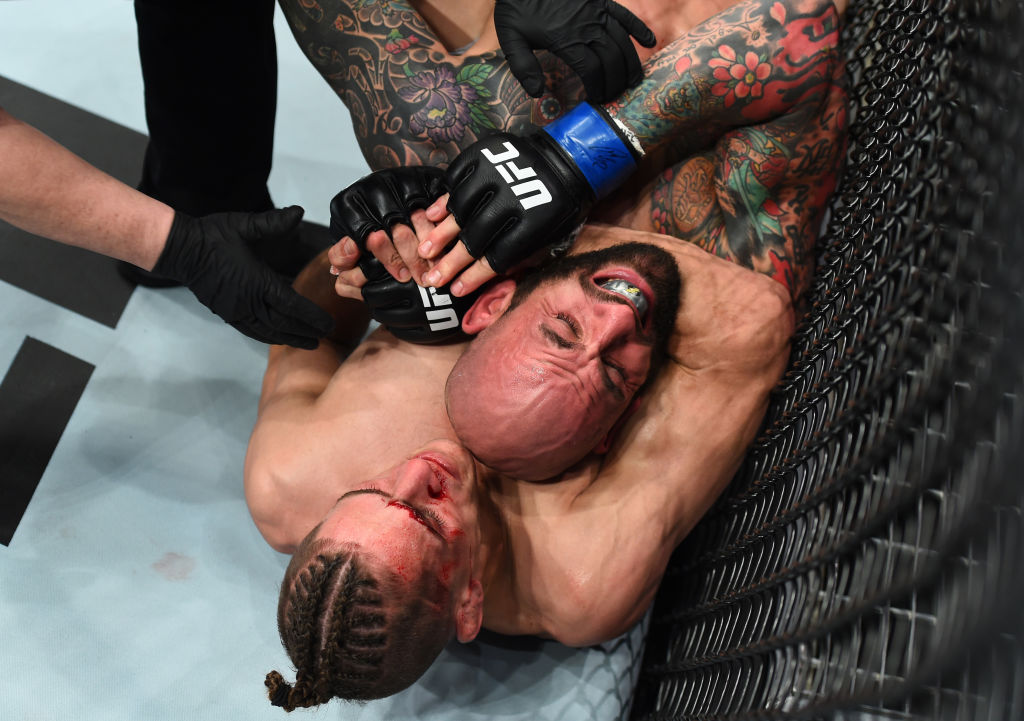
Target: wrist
[(177, 256), (601, 149), (154, 237)]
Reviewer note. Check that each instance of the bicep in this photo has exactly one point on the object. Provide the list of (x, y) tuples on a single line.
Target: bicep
[(695, 422), (772, 183)]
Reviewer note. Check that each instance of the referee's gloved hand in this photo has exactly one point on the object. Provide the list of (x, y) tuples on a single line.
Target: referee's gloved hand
[(591, 36), (212, 256)]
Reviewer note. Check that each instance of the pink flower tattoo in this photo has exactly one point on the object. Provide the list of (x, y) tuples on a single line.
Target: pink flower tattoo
[(736, 78)]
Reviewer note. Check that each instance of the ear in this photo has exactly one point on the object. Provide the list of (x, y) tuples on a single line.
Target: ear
[(489, 306), (606, 443), (469, 615)]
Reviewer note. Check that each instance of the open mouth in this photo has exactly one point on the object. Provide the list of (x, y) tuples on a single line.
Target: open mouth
[(630, 292), (629, 284)]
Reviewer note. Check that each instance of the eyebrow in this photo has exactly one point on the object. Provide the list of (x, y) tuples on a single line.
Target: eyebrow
[(415, 509)]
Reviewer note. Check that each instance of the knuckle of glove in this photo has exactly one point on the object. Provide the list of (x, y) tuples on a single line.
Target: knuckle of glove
[(520, 198), (383, 199), (425, 316), (372, 268), (418, 186), (351, 215)]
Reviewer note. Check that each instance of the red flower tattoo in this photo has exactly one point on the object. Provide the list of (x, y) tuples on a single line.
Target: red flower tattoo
[(736, 78)]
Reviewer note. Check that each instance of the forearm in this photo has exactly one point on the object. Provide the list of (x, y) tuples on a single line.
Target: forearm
[(300, 376), (350, 316), (49, 191), (748, 64)]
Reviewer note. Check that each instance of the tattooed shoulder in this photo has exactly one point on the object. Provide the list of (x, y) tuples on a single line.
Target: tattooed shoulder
[(411, 101)]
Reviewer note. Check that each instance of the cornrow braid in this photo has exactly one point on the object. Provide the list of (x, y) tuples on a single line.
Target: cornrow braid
[(332, 627), (353, 628)]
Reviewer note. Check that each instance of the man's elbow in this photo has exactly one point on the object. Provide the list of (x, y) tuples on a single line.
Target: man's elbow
[(776, 324), (600, 619)]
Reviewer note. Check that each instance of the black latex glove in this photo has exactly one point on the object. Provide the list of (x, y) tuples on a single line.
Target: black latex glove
[(590, 36), (211, 255)]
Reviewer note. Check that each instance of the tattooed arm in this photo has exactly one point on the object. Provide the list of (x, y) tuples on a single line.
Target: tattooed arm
[(759, 60), (756, 198), (412, 102), (753, 62)]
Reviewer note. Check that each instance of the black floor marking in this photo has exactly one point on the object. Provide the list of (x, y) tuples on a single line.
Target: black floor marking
[(37, 397), (83, 282)]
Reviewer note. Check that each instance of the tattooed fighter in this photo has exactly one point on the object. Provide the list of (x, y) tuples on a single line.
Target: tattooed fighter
[(441, 543)]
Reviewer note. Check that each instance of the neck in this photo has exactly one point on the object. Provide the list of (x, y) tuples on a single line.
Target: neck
[(495, 557)]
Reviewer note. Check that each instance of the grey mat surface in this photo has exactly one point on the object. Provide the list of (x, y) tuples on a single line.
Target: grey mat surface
[(136, 586)]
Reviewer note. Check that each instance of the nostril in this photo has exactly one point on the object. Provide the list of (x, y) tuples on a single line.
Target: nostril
[(436, 488)]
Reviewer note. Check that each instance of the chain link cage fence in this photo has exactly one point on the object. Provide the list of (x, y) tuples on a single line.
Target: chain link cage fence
[(866, 562)]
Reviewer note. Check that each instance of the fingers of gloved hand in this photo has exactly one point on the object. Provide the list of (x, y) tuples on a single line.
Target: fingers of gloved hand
[(448, 267), (631, 72), (382, 247), (438, 210), (349, 284), (521, 60), (472, 277), (344, 254), (407, 241), (633, 25), (272, 223), (294, 313), (442, 236), (421, 226), (282, 316), (585, 63)]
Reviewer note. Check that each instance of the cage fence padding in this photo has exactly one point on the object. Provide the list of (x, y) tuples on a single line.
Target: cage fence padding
[(865, 563)]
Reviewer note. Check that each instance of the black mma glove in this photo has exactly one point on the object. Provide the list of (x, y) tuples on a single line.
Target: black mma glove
[(590, 36), (377, 202), (212, 256), (514, 195), (410, 312)]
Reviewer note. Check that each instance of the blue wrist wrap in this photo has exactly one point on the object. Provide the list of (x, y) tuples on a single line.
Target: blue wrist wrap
[(595, 147)]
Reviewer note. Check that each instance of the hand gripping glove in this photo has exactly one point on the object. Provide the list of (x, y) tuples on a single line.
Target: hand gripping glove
[(590, 36), (212, 255), (377, 202), (514, 195)]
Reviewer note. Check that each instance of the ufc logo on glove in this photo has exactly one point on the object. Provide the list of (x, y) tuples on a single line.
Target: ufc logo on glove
[(440, 319), (535, 191), (556, 173)]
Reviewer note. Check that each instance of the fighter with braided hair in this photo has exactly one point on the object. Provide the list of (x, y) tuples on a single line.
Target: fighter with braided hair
[(632, 453), (354, 652)]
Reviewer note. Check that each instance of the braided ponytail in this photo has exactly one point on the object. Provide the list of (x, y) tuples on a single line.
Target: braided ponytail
[(341, 635)]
